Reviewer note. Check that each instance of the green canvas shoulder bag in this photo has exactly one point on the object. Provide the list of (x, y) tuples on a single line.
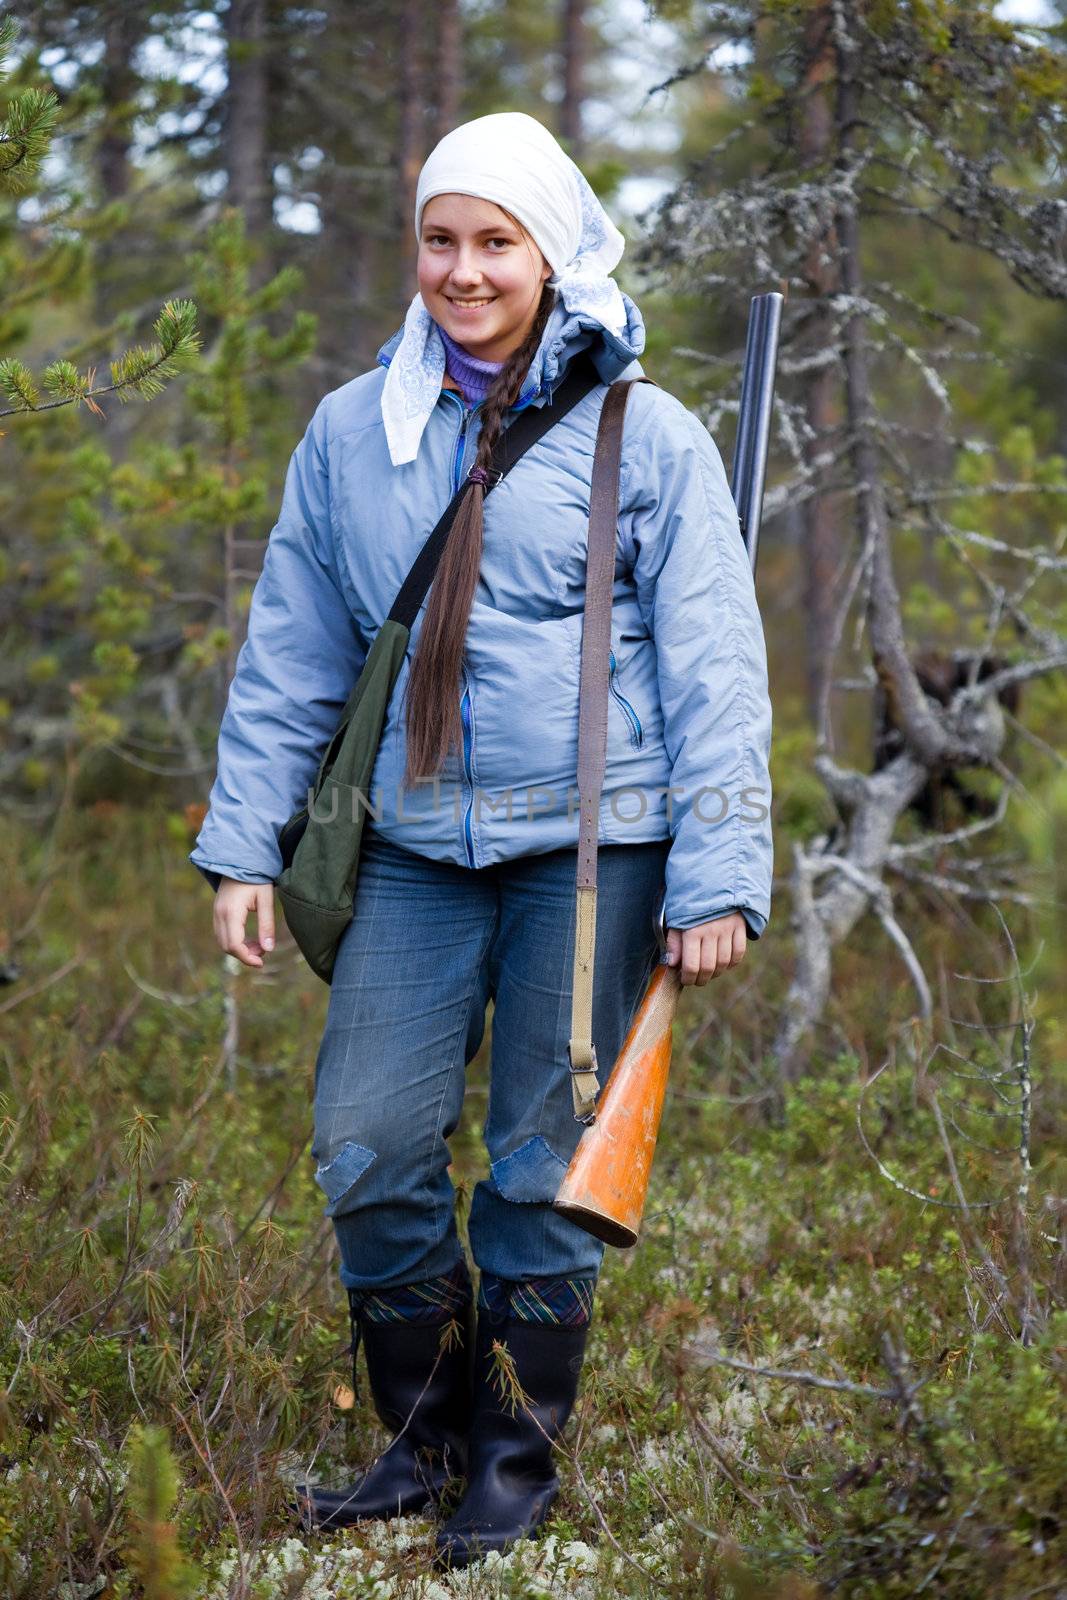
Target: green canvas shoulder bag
[(320, 843)]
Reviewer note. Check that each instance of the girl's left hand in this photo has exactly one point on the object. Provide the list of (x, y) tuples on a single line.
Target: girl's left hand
[(708, 949)]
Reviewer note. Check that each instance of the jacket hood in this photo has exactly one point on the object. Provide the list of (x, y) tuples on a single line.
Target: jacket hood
[(565, 334)]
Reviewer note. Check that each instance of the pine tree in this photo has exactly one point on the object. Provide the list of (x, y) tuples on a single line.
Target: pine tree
[(153, 1552), (25, 137), (69, 584)]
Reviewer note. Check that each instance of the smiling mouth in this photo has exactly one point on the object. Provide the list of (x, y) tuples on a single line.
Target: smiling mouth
[(471, 305)]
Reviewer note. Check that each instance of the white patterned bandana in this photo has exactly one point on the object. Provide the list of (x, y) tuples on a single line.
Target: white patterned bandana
[(512, 160)]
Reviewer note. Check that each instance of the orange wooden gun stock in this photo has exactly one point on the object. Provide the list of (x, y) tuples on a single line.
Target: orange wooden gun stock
[(604, 1187)]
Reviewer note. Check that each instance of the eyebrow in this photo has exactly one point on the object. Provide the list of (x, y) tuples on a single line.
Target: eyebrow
[(439, 227)]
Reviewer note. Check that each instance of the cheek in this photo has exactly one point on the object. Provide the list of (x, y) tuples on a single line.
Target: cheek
[(430, 270), (511, 277)]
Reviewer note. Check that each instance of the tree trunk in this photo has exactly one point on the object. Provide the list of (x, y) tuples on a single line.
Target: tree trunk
[(411, 144), (123, 30), (353, 278), (821, 543), (247, 154), (923, 730), (574, 46), (449, 67)]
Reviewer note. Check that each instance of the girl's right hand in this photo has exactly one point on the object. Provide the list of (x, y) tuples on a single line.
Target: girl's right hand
[(233, 902)]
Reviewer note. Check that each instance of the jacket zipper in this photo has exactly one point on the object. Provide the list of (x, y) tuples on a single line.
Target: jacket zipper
[(636, 734), (468, 739), (466, 711)]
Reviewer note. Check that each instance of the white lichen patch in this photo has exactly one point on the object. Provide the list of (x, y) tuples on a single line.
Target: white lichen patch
[(392, 1561)]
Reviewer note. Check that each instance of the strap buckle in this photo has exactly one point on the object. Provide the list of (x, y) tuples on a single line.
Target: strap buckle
[(586, 1094)]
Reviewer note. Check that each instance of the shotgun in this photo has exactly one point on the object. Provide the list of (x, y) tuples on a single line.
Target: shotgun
[(605, 1185)]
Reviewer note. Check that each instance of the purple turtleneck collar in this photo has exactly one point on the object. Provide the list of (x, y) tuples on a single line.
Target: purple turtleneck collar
[(473, 375)]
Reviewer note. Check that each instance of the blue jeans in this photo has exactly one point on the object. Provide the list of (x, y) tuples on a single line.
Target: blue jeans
[(429, 944)]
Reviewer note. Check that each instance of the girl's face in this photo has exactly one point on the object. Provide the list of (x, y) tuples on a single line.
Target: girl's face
[(480, 274)]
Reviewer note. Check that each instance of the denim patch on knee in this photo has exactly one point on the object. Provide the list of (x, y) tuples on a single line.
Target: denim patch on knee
[(340, 1176), (529, 1174)]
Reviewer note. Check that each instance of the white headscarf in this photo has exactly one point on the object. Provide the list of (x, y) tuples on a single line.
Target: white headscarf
[(512, 160)]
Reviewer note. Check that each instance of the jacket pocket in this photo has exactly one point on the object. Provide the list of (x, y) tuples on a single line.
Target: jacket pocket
[(637, 735)]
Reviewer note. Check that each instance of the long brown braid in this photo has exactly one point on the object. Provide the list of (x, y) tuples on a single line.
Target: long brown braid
[(433, 719)]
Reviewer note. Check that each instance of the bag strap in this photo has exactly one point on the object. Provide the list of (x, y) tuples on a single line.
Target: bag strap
[(529, 426), (521, 434), (593, 731)]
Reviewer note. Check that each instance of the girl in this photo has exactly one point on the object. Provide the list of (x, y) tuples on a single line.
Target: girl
[(466, 887)]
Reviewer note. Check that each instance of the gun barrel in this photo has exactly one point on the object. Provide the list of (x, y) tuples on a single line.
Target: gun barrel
[(754, 416)]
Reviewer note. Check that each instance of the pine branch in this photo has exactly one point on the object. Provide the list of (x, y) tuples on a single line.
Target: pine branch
[(27, 132), (139, 370)]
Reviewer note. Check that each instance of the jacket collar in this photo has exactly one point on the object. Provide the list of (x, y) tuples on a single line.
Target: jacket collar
[(566, 333)]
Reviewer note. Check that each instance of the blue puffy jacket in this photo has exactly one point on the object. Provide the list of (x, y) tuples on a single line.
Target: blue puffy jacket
[(689, 718)]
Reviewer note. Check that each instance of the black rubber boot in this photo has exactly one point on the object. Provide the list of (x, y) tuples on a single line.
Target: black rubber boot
[(512, 1478), (421, 1390)]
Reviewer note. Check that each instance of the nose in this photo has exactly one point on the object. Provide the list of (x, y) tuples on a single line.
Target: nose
[(465, 272)]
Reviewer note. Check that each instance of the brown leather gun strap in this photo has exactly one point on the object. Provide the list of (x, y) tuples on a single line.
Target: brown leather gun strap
[(593, 731)]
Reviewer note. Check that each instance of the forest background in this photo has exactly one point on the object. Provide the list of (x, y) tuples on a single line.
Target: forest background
[(834, 1362)]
